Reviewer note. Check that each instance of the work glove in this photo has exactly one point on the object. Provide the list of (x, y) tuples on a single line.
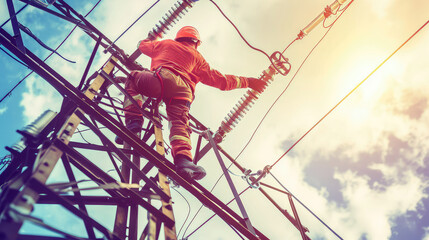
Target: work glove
[(256, 84)]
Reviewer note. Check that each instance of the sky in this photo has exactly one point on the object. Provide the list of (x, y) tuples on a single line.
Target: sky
[(363, 170)]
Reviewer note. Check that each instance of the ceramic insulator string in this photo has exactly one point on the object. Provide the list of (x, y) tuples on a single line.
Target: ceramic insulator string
[(177, 11), (244, 104)]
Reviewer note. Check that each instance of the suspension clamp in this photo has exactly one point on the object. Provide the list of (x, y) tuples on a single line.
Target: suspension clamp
[(301, 35), (250, 178), (280, 63), (328, 12)]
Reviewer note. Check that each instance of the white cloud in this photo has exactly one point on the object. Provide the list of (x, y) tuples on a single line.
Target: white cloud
[(39, 97), (372, 210), (3, 110), (426, 237)]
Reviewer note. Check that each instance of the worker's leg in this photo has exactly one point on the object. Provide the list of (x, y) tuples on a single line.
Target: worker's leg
[(178, 116), (178, 96), (179, 129), (141, 83)]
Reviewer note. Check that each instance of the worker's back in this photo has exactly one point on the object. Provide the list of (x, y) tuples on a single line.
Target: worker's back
[(180, 57)]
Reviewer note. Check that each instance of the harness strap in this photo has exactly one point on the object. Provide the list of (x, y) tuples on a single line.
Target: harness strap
[(177, 100), (161, 81), (180, 101)]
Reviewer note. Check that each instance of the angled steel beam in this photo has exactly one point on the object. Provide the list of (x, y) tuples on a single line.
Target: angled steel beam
[(91, 59), (77, 194), (98, 175), (17, 33), (231, 184), (164, 165), (98, 200), (68, 18), (69, 206), (125, 159)]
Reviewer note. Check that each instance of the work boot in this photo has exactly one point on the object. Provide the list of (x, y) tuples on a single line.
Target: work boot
[(134, 124), (188, 170)]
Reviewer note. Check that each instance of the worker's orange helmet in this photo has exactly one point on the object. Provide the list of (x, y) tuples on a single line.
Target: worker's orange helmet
[(188, 32)]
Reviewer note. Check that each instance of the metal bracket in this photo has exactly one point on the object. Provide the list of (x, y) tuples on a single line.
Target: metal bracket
[(230, 183), (15, 26)]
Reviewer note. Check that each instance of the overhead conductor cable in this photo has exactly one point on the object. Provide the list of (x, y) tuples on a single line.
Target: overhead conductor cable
[(280, 64)]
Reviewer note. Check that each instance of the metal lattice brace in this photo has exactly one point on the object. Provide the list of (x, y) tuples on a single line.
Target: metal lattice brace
[(46, 160), (92, 109), (120, 226), (167, 207), (152, 229)]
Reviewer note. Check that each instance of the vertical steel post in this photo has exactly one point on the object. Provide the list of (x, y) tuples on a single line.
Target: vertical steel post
[(167, 207), (231, 184), (134, 220), (17, 33)]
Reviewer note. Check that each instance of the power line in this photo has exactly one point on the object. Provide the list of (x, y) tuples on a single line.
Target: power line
[(354, 89), (329, 28), (326, 225), (189, 210), (15, 15), (14, 58), (19, 83), (217, 181), (293, 77), (132, 25), (81, 135), (238, 31), (247, 188), (31, 34)]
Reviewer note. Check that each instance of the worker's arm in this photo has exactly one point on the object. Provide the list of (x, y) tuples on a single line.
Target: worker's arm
[(216, 79), (146, 46), (224, 82), (130, 61)]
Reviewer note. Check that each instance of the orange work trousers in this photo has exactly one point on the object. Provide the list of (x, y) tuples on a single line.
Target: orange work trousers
[(177, 96)]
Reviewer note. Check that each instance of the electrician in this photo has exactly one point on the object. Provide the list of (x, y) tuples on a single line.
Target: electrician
[(177, 67)]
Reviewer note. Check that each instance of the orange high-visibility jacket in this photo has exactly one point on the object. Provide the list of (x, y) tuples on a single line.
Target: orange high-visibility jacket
[(189, 64)]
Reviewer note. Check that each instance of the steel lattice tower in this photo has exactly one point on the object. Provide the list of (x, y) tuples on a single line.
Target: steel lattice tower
[(139, 180)]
